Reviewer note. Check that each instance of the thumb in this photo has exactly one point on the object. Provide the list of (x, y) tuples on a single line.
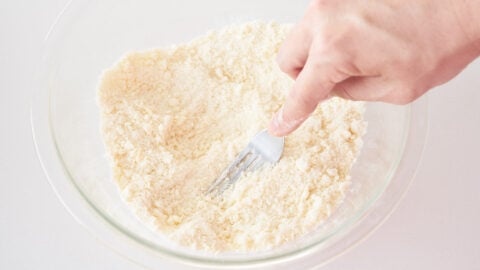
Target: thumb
[(313, 85)]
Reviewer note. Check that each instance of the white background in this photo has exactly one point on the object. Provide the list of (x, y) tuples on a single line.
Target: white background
[(437, 225)]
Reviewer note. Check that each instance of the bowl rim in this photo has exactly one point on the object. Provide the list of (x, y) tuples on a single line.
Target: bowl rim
[(120, 240)]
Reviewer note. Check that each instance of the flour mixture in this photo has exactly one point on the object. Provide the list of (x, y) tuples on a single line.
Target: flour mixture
[(173, 118)]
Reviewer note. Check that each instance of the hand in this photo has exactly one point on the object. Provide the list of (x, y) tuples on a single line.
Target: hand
[(378, 50)]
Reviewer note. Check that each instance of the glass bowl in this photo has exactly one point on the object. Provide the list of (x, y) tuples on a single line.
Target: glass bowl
[(89, 36)]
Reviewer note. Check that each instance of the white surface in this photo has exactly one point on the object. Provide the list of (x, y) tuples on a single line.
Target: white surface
[(435, 227)]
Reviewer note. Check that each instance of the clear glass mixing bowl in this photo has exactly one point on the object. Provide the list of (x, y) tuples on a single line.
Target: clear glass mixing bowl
[(89, 36)]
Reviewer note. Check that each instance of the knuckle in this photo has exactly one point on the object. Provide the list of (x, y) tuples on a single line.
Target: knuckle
[(286, 65), (337, 40), (335, 75), (282, 63), (288, 68), (332, 66)]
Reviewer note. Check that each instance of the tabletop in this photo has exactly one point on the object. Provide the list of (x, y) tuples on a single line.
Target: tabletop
[(434, 227)]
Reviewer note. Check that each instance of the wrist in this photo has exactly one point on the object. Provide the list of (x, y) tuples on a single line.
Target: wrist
[(467, 13)]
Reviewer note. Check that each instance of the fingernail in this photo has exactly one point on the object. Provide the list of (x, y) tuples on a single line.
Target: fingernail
[(276, 123), (280, 127)]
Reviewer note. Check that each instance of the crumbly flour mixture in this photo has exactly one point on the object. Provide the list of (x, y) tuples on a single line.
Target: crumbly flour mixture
[(173, 118)]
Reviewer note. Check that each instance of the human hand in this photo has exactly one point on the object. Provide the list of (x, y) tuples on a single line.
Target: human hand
[(380, 50)]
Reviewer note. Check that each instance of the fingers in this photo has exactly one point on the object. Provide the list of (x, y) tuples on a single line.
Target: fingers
[(313, 85), (375, 88), (294, 51), (362, 88)]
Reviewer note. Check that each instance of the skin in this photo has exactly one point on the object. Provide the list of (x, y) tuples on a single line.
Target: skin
[(374, 50)]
